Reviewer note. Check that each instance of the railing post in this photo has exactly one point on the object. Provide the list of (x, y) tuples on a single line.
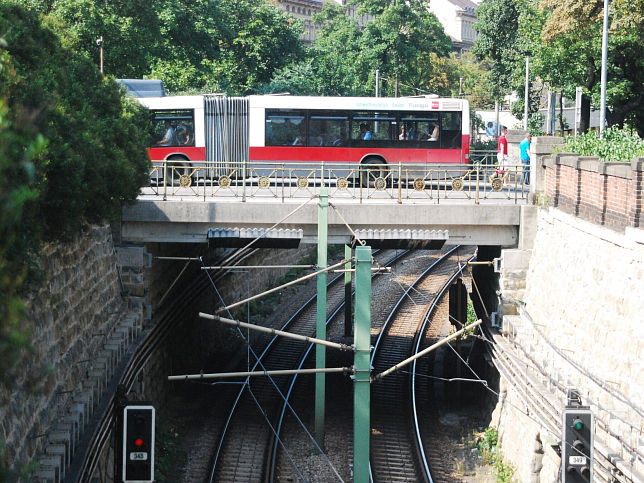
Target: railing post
[(399, 183), (320, 350), (165, 177), (478, 182), (362, 378)]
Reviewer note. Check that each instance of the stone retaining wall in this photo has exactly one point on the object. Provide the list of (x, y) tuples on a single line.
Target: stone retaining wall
[(73, 314), (571, 304)]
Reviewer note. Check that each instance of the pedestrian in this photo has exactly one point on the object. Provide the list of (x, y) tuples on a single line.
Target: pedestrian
[(524, 148), (502, 154)]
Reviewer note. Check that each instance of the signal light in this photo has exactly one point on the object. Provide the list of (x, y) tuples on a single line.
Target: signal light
[(577, 445), (138, 444)]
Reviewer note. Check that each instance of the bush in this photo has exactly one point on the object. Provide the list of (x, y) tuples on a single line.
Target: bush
[(71, 151), (96, 154), (615, 145)]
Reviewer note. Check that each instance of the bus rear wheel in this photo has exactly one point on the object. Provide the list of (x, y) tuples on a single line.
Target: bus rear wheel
[(372, 172), (178, 171)]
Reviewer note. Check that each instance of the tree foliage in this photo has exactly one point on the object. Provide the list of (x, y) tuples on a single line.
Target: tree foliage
[(498, 42), (71, 152), (229, 46), (563, 39), (402, 41)]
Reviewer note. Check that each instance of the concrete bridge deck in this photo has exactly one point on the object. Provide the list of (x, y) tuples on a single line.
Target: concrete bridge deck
[(188, 218)]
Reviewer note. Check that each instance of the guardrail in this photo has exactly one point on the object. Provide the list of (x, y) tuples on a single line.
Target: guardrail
[(435, 182)]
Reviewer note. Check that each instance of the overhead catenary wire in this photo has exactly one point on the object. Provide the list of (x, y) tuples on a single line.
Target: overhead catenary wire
[(272, 381), (280, 287)]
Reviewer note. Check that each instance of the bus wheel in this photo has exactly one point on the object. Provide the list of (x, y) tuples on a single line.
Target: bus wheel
[(178, 171), (370, 171)]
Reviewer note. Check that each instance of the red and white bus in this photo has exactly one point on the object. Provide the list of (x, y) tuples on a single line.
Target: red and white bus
[(282, 128)]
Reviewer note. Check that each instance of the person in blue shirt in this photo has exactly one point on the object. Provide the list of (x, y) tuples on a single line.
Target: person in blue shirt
[(366, 131), (169, 136), (524, 149)]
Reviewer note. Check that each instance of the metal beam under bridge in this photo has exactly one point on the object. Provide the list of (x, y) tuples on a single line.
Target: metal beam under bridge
[(189, 221)]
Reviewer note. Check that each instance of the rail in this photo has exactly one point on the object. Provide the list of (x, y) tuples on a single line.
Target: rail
[(404, 182)]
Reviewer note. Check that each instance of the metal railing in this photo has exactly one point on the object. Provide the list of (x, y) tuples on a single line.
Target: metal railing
[(478, 181)]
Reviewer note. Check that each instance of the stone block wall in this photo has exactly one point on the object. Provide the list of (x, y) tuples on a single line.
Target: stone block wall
[(73, 313), (580, 324)]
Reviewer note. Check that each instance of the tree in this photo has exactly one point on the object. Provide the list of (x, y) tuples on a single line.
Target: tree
[(130, 30), (256, 40), (400, 41), (96, 143), (498, 42)]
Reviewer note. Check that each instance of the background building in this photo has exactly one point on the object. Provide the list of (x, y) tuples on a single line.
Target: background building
[(304, 10), (457, 17)]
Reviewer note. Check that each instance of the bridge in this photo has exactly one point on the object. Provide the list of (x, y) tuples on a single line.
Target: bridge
[(384, 206)]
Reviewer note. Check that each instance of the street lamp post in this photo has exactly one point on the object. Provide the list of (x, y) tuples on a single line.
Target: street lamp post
[(602, 108), (99, 44), (527, 93)]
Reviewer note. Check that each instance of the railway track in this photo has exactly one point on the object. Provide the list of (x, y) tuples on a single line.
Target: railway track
[(246, 442), (181, 297), (396, 450), (339, 436)]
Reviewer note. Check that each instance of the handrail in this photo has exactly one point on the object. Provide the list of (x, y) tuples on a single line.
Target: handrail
[(403, 182)]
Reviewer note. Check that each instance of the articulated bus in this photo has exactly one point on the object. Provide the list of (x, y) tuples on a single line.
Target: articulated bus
[(284, 128)]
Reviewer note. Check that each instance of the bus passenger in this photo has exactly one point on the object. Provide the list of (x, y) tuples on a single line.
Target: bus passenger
[(182, 135), (168, 137), (403, 134), (434, 135), (298, 141), (365, 131)]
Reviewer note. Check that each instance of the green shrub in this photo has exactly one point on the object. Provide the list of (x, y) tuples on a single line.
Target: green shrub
[(490, 450), (490, 145), (615, 145)]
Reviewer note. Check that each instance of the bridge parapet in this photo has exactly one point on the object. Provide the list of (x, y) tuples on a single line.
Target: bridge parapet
[(606, 194)]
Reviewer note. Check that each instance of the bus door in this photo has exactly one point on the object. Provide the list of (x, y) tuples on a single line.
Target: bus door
[(226, 125)]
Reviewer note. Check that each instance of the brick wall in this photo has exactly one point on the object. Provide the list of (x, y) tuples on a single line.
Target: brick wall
[(607, 194)]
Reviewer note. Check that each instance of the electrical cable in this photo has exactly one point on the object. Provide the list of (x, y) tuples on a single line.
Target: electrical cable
[(584, 371), (268, 422), (247, 383)]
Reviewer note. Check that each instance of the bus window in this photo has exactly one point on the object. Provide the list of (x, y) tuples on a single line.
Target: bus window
[(328, 128), (173, 127), (285, 127), (373, 128), (450, 130), (420, 129)]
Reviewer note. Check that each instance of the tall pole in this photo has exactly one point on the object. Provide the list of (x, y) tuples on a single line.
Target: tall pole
[(377, 82), (99, 43), (348, 306), (362, 362), (527, 93), (320, 350), (602, 108)]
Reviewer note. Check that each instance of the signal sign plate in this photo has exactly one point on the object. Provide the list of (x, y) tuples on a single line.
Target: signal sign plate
[(138, 456), (577, 460)]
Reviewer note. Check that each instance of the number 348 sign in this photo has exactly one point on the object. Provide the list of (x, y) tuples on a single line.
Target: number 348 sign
[(138, 456)]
